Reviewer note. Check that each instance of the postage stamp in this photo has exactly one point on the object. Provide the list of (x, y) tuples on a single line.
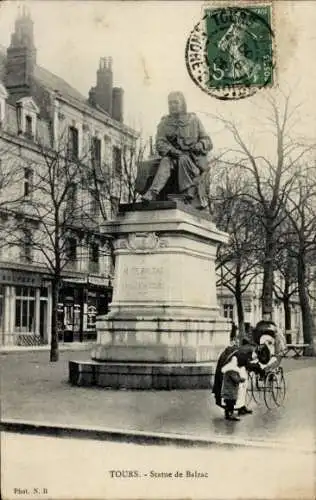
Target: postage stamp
[(229, 53)]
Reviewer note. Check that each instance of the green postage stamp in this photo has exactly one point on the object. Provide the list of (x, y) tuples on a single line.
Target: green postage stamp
[(229, 53)]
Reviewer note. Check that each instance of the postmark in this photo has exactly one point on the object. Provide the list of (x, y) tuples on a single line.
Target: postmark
[(229, 52)]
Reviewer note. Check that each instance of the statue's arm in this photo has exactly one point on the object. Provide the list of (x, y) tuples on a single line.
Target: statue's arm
[(204, 144), (163, 146)]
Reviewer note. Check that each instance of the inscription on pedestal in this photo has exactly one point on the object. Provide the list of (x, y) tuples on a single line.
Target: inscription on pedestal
[(138, 281)]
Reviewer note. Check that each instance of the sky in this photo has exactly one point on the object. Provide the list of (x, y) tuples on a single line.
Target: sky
[(146, 40)]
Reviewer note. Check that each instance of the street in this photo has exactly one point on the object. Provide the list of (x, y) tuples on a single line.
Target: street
[(35, 390), (269, 454), (43, 467)]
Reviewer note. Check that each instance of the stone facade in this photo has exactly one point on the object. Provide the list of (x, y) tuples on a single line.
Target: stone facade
[(38, 110)]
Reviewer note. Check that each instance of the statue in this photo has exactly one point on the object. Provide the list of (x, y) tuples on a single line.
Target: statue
[(183, 165)]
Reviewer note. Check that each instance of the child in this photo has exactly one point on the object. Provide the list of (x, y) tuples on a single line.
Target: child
[(268, 336), (230, 384)]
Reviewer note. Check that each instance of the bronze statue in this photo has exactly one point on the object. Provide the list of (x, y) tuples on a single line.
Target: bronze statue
[(183, 165)]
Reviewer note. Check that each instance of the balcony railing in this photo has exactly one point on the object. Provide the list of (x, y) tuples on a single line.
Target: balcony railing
[(20, 339)]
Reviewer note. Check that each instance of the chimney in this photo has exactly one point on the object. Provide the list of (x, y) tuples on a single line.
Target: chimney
[(101, 94), (117, 104), (21, 56)]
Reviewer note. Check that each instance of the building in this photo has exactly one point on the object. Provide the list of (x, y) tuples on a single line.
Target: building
[(251, 302), (40, 114)]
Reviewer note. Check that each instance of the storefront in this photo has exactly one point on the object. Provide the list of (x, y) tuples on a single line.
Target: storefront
[(24, 308), (80, 301)]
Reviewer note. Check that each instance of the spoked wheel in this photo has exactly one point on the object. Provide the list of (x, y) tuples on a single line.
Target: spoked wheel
[(270, 390), (250, 389), (257, 388), (279, 389)]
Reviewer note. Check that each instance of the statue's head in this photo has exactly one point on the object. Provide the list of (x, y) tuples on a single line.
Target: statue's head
[(177, 104)]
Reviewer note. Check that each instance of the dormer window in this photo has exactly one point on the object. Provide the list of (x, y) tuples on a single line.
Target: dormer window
[(27, 111)]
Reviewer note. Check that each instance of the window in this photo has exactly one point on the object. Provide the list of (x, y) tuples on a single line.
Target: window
[(28, 126), (96, 152), (72, 197), (228, 311), (117, 160), (94, 258), (28, 182), (27, 245), (94, 204), (94, 253), (73, 146), (25, 310), (71, 249), (1, 308), (3, 97)]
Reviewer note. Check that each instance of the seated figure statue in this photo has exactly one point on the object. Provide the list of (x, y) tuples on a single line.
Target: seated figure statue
[(183, 147)]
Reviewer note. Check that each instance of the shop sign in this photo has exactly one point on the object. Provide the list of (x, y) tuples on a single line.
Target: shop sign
[(98, 281), (91, 313), (19, 278)]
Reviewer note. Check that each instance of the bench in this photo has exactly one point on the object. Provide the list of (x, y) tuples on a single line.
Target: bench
[(298, 349)]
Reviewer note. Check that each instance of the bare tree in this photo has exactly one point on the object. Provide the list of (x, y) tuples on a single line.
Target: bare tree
[(55, 215), (11, 195), (301, 211), (237, 262), (285, 288), (272, 179), (113, 183)]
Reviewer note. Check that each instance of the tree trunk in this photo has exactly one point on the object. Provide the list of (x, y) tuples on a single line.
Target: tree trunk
[(307, 320), (239, 304), (287, 313), (267, 287), (54, 352), (287, 304)]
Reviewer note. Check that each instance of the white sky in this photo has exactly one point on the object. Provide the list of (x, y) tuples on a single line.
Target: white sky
[(147, 42)]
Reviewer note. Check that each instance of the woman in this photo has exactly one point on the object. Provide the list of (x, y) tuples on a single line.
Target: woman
[(183, 146), (246, 355)]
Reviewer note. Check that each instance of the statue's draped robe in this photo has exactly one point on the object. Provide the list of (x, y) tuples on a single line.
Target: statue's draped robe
[(183, 133)]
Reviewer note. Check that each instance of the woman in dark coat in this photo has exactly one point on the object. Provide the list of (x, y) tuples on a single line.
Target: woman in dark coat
[(245, 357), (225, 356)]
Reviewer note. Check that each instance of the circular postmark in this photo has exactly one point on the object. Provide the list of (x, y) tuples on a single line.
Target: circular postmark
[(229, 52)]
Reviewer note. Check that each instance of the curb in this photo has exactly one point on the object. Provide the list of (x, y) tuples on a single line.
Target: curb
[(142, 437)]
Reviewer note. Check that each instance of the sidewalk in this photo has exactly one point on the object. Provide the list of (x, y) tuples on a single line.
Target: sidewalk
[(71, 346), (38, 392)]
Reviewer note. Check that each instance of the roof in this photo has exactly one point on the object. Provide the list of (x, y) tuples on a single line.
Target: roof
[(46, 79), (46, 82), (55, 83)]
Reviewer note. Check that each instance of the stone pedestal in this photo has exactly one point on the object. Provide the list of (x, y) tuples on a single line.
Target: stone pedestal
[(163, 329)]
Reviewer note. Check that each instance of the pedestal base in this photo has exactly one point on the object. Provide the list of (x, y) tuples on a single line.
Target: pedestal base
[(163, 330), (165, 340), (143, 376)]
